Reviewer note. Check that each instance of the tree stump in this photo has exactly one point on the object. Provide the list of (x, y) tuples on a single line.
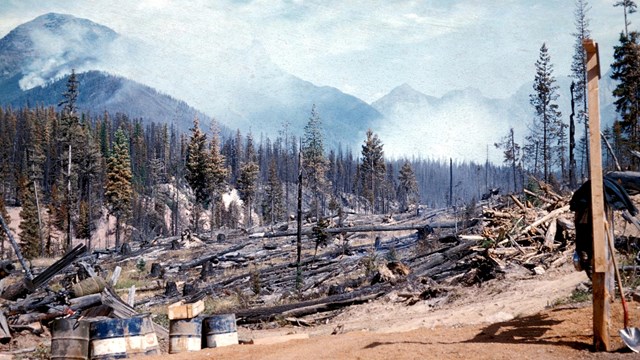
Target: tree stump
[(425, 232), (171, 289), (221, 238), (207, 270), (189, 289), (156, 270), (125, 249)]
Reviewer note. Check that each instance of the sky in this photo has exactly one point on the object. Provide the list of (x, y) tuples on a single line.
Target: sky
[(362, 47)]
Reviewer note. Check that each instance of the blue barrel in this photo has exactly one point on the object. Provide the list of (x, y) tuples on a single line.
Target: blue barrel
[(221, 330), (185, 335), (107, 339), (70, 339)]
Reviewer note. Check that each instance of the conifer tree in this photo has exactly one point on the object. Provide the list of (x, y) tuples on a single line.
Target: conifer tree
[(408, 187), (372, 169), (217, 171), (313, 159), (29, 235), (198, 170), (511, 153), (626, 70), (119, 189), (579, 75), (273, 206), (5, 215), (547, 121), (629, 7), (69, 128), (248, 185)]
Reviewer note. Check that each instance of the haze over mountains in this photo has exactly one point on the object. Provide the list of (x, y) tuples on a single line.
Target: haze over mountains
[(244, 89)]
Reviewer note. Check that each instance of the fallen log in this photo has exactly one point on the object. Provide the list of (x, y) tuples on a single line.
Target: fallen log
[(250, 316), (206, 258), (417, 227), (552, 215), (85, 302)]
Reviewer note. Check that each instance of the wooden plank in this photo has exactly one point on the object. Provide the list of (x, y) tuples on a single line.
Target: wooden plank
[(601, 308)]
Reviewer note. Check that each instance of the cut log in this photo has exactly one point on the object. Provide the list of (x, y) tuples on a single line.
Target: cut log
[(312, 306), (552, 215), (550, 235), (85, 302)]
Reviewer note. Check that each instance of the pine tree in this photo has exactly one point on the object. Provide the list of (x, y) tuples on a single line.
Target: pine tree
[(408, 187), (372, 169), (217, 173), (579, 89), (119, 189), (626, 70), (547, 122), (512, 156), (198, 170), (273, 206), (313, 159), (629, 7), (248, 185), (29, 235), (5, 215), (69, 128)]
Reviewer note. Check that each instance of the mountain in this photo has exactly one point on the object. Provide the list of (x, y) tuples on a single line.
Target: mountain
[(464, 124), (37, 56), (101, 92), (460, 125), (242, 88)]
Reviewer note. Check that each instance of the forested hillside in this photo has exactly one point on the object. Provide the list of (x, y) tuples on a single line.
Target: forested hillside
[(76, 167)]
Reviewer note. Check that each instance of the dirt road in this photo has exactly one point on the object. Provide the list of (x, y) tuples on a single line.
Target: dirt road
[(502, 320)]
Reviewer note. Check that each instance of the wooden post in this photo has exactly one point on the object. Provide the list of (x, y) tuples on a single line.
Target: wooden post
[(601, 296)]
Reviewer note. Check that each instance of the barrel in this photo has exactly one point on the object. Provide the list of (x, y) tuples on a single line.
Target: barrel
[(185, 335), (69, 339), (140, 336), (107, 339), (220, 330)]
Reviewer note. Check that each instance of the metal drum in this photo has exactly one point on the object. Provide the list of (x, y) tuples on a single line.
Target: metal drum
[(140, 337), (220, 330), (185, 335), (151, 346), (107, 339), (69, 339)]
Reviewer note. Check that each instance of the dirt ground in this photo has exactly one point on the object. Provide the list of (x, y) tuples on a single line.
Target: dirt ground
[(521, 316)]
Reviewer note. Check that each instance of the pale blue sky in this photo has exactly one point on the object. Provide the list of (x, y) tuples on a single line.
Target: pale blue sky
[(362, 47)]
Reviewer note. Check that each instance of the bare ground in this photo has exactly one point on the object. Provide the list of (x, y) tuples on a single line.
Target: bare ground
[(518, 316)]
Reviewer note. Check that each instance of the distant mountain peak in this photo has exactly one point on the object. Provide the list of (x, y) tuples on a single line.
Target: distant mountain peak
[(403, 94), (44, 49)]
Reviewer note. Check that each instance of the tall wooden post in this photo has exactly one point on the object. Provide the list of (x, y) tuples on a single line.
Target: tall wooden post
[(601, 273)]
